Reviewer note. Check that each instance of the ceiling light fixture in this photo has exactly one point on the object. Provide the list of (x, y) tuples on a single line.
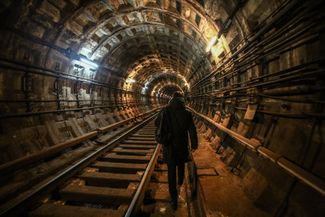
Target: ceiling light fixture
[(88, 62), (212, 42)]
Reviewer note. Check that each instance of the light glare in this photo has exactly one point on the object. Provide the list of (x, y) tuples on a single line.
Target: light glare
[(130, 80), (212, 42), (88, 62)]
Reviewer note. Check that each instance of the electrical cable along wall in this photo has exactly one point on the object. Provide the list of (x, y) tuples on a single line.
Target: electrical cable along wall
[(69, 68), (270, 90)]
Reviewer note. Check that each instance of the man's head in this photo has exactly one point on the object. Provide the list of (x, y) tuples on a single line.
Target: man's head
[(178, 94)]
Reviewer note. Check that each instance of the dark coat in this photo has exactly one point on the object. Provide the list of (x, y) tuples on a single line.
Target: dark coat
[(181, 121)]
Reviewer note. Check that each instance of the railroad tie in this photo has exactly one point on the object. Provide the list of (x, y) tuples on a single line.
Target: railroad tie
[(113, 157), (119, 167), (105, 179), (151, 142), (130, 146), (56, 210), (141, 138), (97, 195), (120, 150)]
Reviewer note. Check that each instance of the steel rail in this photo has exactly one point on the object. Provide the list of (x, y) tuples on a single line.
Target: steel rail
[(291, 168), (14, 165), (46, 153), (139, 194), (50, 183)]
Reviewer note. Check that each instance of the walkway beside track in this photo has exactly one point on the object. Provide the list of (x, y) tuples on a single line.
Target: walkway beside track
[(222, 193)]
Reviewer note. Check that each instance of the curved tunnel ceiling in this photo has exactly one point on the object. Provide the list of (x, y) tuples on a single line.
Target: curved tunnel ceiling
[(166, 90), (133, 39), (253, 70), (142, 38)]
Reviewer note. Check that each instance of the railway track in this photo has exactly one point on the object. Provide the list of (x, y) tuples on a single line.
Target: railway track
[(111, 181)]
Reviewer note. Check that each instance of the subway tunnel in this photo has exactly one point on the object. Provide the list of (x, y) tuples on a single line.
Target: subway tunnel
[(77, 74)]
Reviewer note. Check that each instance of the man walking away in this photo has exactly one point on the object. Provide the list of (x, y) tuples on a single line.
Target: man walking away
[(176, 151)]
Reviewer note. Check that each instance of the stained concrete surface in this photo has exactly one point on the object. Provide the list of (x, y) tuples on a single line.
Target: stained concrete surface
[(222, 192)]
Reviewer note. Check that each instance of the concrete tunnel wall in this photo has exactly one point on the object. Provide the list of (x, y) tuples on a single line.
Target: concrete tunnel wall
[(260, 78)]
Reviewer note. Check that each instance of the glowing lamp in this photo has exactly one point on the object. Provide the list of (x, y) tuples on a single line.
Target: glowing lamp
[(212, 42)]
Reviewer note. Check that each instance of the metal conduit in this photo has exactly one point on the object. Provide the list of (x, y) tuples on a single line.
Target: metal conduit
[(16, 115), (25, 67), (291, 168), (291, 73), (251, 40)]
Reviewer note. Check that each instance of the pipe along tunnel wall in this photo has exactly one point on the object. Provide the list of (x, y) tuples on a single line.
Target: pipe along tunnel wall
[(70, 68)]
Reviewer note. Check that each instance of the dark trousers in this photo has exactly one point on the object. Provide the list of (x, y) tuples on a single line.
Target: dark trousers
[(172, 178)]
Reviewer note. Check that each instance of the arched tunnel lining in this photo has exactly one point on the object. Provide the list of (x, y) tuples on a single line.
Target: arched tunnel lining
[(258, 64)]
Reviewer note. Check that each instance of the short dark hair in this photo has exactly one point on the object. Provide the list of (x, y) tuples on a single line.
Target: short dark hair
[(178, 94)]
